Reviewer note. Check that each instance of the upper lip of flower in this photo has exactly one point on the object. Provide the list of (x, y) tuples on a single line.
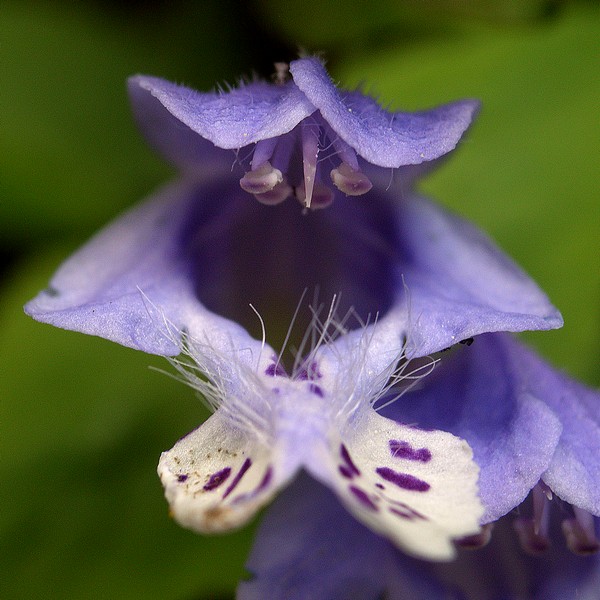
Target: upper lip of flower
[(308, 113)]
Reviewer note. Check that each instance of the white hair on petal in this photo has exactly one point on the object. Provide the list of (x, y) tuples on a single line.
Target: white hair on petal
[(214, 374), (240, 392)]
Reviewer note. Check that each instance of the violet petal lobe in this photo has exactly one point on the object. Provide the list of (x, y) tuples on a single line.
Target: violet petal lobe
[(448, 281), (217, 477), (308, 546), (169, 136), (229, 119), (523, 420), (130, 284), (386, 139), (459, 283), (574, 472)]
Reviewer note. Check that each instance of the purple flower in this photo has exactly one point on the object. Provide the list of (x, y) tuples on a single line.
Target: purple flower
[(188, 271), (530, 428), (306, 547)]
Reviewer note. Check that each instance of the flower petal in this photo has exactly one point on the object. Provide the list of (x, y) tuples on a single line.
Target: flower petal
[(447, 282), (574, 472), (418, 488), (171, 138), (232, 119), (480, 394), (308, 546), (431, 276), (386, 139), (459, 283), (217, 477), (131, 284)]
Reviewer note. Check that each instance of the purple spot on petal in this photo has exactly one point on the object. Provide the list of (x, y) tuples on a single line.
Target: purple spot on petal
[(363, 498), (402, 480), (400, 513), (401, 449), (405, 508), (247, 464), (310, 372), (315, 389), (346, 458), (275, 370), (266, 480), (216, 479), (181, 478), (345, 472), (406, 512), (380, 486)]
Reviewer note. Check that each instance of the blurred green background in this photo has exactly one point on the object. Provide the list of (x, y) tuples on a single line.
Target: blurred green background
[(82, 421)]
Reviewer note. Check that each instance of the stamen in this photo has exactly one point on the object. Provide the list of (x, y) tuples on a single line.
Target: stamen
[(310, 152), (345, 153), (580, 533), (263, 151), (322, 196), (261, 180), (353, 182), (282, 73), (533, 532), (477, 541), (277, 195)]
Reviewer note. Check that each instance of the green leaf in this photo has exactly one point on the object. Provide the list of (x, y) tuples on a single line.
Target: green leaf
[(70, 155), (364, 25)]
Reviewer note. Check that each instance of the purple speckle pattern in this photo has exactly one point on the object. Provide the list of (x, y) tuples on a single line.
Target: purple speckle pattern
[(217, 479), (374, 495), (247, 464), (315, 389), (266, 480), (309, 372), (407, 513), (349, 465), (402, 449), (181, 478), (275, 370), (403, 480), (264, 483), (345, 472), (363, 498)]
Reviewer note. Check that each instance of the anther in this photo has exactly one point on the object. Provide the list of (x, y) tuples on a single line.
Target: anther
[(322, 196), (350, 181), (533, 533), (282, 73), (275, 196), (580, 533), (477, 541), (261, 180)]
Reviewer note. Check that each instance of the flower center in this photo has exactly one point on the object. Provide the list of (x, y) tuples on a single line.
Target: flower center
[(294, 164)]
